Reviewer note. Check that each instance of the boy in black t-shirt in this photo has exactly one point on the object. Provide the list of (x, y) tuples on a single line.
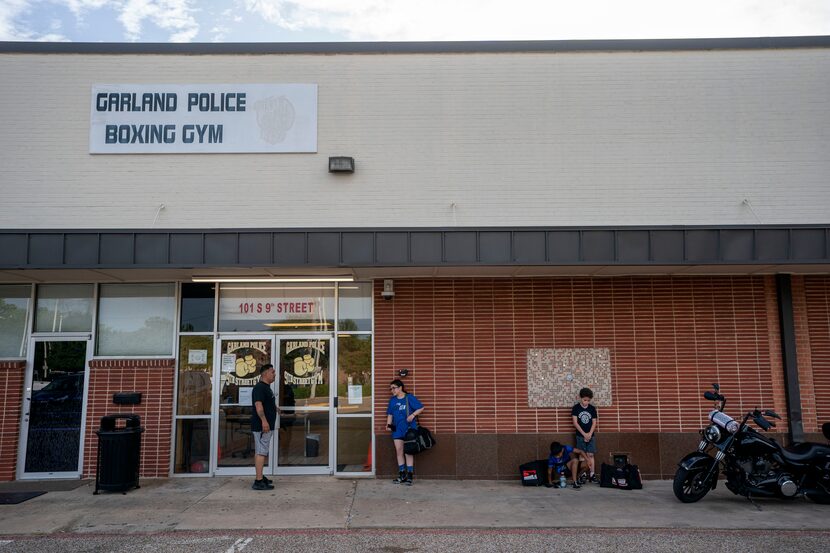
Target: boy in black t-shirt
[(584, 416)]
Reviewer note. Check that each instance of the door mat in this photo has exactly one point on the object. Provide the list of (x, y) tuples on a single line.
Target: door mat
[(13, 498), (43, 485)]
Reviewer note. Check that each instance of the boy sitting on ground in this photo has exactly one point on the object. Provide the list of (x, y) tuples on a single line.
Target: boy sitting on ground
[(563, 458)]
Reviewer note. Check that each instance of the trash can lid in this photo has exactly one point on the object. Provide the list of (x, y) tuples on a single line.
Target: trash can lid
[(109, 422)]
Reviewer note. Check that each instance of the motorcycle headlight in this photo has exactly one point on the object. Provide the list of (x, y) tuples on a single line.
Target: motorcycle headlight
[(712, 433)]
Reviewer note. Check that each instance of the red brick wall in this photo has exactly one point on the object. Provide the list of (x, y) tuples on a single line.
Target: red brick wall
[(11, 388), (465, 341), (817, 338), (154, 378)]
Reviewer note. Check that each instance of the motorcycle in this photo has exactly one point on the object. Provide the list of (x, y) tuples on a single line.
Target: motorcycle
[(754, 464)]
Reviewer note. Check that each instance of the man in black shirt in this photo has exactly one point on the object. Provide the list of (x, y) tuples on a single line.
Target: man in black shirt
[(263, 420)]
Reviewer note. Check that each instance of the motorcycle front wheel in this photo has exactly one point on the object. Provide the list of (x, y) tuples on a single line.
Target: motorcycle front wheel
[(691, 485)]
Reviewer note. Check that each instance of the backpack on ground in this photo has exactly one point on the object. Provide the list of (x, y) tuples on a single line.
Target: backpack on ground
[(621, 476), (534, 473)]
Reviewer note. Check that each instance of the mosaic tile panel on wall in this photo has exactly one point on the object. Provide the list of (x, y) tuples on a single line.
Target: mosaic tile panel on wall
[(555, 376)]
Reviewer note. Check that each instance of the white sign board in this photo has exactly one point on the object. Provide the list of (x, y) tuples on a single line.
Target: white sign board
[(355, 394), (197, 357), (228, 362), (245, 395), (203, 118)]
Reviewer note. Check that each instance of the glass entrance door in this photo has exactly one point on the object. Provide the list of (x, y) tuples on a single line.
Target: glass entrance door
[(302, 442), (238, 362), (54, 408), (305, 401)]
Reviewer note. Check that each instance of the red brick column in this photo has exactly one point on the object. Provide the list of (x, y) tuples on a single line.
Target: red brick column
[(804, 355), (776, 362), (154, 378), (11, 398), (817, 315)]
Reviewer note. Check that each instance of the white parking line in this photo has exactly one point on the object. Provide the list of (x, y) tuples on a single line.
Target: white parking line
[(239, 545)]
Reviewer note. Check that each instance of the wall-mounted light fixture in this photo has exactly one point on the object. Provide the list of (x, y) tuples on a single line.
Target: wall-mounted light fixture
[(341, 164), (272, 279), (388, 291)]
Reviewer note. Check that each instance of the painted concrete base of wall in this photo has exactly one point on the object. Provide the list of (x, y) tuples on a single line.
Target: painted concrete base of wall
[(498, 456)]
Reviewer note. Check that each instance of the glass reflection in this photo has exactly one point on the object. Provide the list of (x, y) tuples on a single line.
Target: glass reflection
[(54, 435), (14, 308), (355, 307), (304, 439), (304, 371), (195, 368), (354, 374), (236, 444), (197, 307), (354, 444), (64, 308), (192, 446)]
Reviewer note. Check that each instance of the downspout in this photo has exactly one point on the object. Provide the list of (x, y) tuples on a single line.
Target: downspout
[(783, 285)]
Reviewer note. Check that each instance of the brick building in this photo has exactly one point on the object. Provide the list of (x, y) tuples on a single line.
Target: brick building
[(506, 221)]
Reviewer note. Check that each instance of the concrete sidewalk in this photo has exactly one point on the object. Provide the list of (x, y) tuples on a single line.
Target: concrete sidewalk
[(171, 504)]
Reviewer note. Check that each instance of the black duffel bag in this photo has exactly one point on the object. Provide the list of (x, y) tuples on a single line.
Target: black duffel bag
[(622, 477), (417, 440)]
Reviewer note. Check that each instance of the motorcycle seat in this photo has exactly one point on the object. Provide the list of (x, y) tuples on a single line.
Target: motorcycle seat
[(803, 452)]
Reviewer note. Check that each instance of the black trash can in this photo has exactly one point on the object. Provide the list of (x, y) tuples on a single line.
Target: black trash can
[(119, 453)]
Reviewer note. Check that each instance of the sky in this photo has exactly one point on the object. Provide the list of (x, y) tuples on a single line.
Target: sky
[(404, 20)]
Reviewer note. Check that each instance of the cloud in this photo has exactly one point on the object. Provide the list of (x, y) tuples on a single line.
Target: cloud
[(544, 20), (10, 10), (393, 20), (173, 15)]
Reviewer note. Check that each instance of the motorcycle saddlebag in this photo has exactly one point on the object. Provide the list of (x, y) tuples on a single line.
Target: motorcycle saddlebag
[(534, 473)]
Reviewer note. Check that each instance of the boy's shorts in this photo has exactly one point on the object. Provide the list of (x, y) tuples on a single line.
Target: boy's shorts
[(557, 470), (590, 447)]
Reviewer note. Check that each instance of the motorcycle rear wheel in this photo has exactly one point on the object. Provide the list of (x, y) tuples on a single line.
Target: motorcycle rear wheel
[(690, 485)]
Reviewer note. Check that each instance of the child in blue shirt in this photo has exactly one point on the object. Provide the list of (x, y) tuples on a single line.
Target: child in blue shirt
[(563, 459)]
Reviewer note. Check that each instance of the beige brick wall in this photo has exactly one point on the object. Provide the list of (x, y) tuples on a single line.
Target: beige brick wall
[(619, 138)]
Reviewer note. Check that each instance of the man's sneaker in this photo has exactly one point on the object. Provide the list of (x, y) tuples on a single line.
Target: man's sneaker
[(262, 485), (576, 485), (267, 480), (593, 479), (408, 479), (400, 479)]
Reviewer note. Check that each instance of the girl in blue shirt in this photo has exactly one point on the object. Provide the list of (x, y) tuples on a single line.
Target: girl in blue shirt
[(398, 422)]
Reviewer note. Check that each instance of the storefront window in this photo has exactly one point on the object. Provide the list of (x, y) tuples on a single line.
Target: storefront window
[(14, 308), (355, 307), (195, 369), (136, 319), (64, 308), (354, 374), (198, 301), (276, 307), (192, 446), (354, 444)]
